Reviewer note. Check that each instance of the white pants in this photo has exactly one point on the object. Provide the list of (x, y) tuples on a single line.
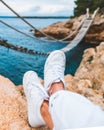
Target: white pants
[(70, 110)]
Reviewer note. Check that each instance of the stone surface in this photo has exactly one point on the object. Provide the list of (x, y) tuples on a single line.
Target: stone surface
[(91, 70), (13, 107), (88, 81), (71, 27)]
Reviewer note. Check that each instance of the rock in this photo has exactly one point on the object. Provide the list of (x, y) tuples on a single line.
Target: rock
[(13, 107), (68, 24), (70, 28), (89, 77), (92, 69), (62, 29), (102, 59)]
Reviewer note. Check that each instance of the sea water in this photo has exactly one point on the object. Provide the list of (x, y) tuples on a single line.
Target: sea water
[(14, 64)]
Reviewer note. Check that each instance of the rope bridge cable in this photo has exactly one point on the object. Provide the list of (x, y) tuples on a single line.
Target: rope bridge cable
[(17, 30), (35, 38), (56, 40), (21, 49)]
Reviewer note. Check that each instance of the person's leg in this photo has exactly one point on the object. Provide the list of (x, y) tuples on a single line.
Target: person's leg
[(56, 87), (38, 108), (45, 105), (67, 109), (35, 95), (70, 110), (54, 73), (54, 70), (44, 110)]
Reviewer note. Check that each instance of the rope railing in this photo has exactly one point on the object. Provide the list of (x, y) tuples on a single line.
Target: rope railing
[(16, 29), (55, 40), (82, 32), (93, 16), (21, 49)]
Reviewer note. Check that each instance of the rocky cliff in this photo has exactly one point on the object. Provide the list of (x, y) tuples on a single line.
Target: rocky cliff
[(89, 77), (71, 27), (88, 81)]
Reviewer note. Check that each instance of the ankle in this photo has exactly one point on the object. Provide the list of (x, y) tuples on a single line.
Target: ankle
[(44, 110), (57, 86)]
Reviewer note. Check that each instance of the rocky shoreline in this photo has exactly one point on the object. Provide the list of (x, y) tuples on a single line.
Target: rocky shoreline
[(88, 81), (71, 27)]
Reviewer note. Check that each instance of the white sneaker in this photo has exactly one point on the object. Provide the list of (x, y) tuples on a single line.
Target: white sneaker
[(35, 95), (54, 69)]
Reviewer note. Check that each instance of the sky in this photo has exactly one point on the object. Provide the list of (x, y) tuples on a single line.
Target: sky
[(38, 7)]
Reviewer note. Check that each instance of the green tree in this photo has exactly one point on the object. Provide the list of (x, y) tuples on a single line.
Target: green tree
[(81, 6)]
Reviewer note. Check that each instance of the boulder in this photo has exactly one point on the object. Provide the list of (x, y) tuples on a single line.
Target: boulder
[(13, 107)]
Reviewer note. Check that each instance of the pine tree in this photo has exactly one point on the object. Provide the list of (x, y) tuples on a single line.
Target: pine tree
[(81, 6)]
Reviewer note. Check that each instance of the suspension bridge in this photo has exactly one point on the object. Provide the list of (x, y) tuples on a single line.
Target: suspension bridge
[(71, 44), (82, 32)]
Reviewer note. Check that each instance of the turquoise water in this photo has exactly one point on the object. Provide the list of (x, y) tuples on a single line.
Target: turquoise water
[(14, 64)]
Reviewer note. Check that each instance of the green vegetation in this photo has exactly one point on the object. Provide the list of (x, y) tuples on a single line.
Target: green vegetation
[(81, 6)]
